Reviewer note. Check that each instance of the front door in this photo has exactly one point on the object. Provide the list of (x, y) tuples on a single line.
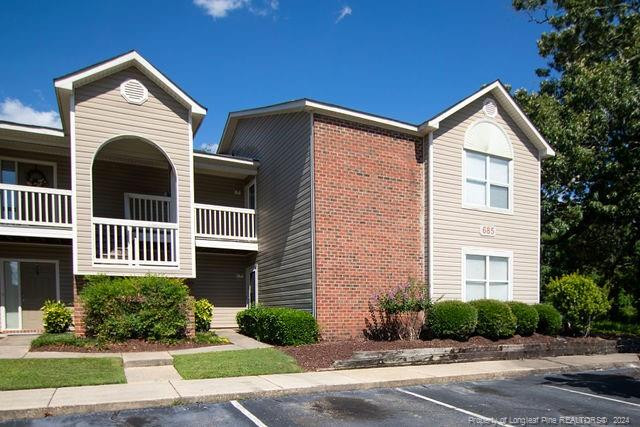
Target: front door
[(11, 316), (37, 284)]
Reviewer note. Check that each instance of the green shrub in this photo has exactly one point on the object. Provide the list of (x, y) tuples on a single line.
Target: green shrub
[(278, 325), (66, 339), (550, 322), (398, 313), (204, 314), (148, 307), (579, 300), (495, 319), (56, 317), (526, 318), (452, 319)]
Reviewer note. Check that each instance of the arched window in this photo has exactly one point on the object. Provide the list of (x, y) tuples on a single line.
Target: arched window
[(488, 159)]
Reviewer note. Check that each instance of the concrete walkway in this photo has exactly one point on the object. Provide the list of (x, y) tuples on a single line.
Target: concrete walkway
[(15, 346), (42, 402)]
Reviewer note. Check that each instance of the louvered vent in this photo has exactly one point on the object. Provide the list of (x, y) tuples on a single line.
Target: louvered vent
[(134, 92), (490, 108)]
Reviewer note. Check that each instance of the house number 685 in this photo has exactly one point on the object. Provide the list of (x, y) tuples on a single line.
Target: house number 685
[(488, 230)]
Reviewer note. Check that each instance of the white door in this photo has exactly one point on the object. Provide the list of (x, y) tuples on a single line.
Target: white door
[(11, 310)]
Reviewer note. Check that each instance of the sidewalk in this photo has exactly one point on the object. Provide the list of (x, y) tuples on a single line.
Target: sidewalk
[(42, 402)]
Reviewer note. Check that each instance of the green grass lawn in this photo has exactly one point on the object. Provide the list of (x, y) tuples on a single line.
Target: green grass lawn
[(259, 361), (43, 373)]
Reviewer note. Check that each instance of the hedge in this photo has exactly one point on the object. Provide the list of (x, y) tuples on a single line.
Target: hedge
[(452, 319), (148, 307), (495, 319), (526, 318), (550, 322), (278, 325), (56, 317)]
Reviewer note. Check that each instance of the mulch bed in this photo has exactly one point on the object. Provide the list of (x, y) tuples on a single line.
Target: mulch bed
[(314, 357), (125, 347)]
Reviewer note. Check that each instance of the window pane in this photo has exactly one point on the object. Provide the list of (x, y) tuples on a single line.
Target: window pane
[(499, 269), (499, 170), (475, 193), (9, 172), (475, 290), (476, 166), (499, 197), (499, 291), (476, 267)]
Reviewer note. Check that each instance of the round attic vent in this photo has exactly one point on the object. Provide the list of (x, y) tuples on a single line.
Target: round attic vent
[(134, 92), (489, 107)]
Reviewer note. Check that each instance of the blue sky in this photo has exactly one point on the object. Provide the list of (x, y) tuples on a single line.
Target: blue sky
[(402, 59)]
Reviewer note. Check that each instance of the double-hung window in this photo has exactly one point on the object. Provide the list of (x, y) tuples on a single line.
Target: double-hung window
[(487, 181), (487, 276)]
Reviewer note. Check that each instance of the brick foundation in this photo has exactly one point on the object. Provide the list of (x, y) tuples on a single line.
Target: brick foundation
[(368, 193), (78, 309), (190, 332)]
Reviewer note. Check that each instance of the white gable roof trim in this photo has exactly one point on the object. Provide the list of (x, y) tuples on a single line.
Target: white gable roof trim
[(123, 61), (497, 90)]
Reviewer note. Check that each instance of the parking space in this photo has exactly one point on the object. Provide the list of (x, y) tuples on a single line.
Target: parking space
[(587, 398)]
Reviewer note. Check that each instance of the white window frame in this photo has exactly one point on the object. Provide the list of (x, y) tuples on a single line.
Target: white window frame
[(17, 160), (487, 253), (251, 268), (487, 183), (255, 193)]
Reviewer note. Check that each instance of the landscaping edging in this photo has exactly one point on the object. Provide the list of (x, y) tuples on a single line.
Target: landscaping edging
[(428, 356)]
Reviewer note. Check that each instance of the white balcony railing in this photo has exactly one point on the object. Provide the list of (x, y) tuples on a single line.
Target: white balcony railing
[(225, 223), (135, 243), (24, 205), (146, 207)]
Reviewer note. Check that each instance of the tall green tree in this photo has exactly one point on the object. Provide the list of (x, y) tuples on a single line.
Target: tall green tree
[(588, 107)]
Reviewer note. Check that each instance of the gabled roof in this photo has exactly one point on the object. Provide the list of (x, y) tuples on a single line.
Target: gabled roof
[(498, 91), (65, 84), (310, 105)]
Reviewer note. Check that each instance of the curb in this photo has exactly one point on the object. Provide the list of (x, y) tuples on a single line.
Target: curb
[(8, 415)]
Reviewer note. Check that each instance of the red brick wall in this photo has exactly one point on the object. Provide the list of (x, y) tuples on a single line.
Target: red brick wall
[(369, 191)]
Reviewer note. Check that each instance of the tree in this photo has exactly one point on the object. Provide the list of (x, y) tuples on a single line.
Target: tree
[(588, 107)]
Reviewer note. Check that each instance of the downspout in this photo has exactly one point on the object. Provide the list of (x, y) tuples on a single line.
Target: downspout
[(313, 216), (430, 213)]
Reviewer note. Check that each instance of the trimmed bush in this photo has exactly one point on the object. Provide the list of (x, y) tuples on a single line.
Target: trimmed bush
[(56, 317), (495, 319), (278, 325), (452, 319), (526, 318), (148, 307), (204, 314), (579, 300), (550, 322)]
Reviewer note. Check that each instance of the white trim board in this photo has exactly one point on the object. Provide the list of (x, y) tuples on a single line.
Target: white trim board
[(121, 62), (503, 97)]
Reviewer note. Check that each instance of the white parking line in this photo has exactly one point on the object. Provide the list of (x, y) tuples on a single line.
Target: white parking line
[(247, 414), (455, 408), (592, 395)]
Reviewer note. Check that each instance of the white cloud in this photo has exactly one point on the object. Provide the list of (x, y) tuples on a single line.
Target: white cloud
[(344, 12), (13, 110), (221, 8), (209, 148)]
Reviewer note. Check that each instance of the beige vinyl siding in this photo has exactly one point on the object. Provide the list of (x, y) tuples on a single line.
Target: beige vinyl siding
[(62, 163), (60, 253), (282, 145), (101, 114), (456, 227), (112, 180), (218, 190)]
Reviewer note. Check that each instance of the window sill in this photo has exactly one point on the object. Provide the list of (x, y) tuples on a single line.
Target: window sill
[(488, 209)]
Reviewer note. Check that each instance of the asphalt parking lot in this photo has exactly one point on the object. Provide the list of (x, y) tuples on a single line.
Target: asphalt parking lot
[(587, 398)]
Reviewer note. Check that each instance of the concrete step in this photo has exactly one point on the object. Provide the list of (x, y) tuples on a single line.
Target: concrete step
[(151, 374), (146, 359)]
